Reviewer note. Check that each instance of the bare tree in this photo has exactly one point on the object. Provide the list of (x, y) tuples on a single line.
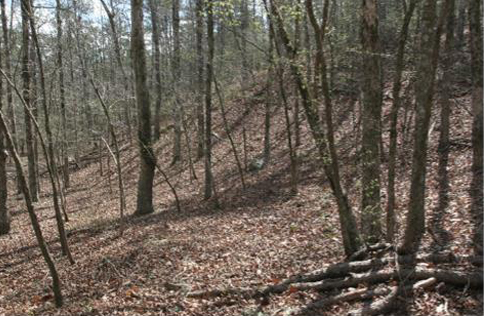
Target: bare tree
[(117, 50), (26, 79), (349, 230), (475, 25), (60, 64), (177, 115), (371, 121), (208, 102), (200, 86), (56, 285), (4, 212), (156, 65), (429, 44), (147, 161), (396, 89)]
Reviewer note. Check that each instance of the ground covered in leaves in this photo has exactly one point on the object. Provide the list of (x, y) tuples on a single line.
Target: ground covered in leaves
[(250, 238)]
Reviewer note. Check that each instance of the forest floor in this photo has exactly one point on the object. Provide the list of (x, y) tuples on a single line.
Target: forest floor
[(255, 237)]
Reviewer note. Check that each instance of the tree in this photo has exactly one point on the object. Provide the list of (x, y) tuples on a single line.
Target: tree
[(26, 78), (396, 89), (4, 212), (208, 102), (117, 50), (60, 64), (200, 85), (56, 286), (445, 101), (156, 65), (429, 43), (371, 121), (349, 231), (177, 115), (475, 26), (147, 162)]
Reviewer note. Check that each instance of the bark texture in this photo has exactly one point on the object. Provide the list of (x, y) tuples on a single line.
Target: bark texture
[(147, 162), (371, 120)]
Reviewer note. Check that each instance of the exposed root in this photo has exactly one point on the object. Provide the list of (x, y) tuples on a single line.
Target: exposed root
[(346, 275)]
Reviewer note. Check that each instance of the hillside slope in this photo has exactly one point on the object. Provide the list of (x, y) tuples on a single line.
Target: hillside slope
[(256, 236)]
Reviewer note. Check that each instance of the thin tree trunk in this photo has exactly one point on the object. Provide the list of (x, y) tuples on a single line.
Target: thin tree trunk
[(26, 79), (58, 215), (392, 156), (292, 150), (157, 61), (200, 86), (60, 64), (6, 49), (56, 284), (176, 81), (10, 108), (117, 51), (445, 97), (351, 239), (208, 102), (229, 135), (116, 155), (427, 58), (49, 151), (4, 211), (477, 134)]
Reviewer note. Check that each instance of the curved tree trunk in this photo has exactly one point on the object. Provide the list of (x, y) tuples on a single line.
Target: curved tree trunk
[(349, 230), (392, 155), (427, 58), (33, 217)]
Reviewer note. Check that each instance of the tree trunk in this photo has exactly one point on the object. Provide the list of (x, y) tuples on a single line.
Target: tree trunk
[(49, 149), (10, 107), (4, 212), (371, 120), (200, 86), (476, 193), (351, 239), (33, 217), (6, 49), (117, 51), (26, 76), (392, 155), (208, 102), (147, 161), (64, 155), (445, 101), (157, 63), (427, 58), (176, 81)]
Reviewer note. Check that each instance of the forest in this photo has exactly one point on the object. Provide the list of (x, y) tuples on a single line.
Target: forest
[(241, 157)]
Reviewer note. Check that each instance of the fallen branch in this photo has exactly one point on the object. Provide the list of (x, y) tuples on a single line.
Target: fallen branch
[(455, 278), (359, 294), (389, 302)]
